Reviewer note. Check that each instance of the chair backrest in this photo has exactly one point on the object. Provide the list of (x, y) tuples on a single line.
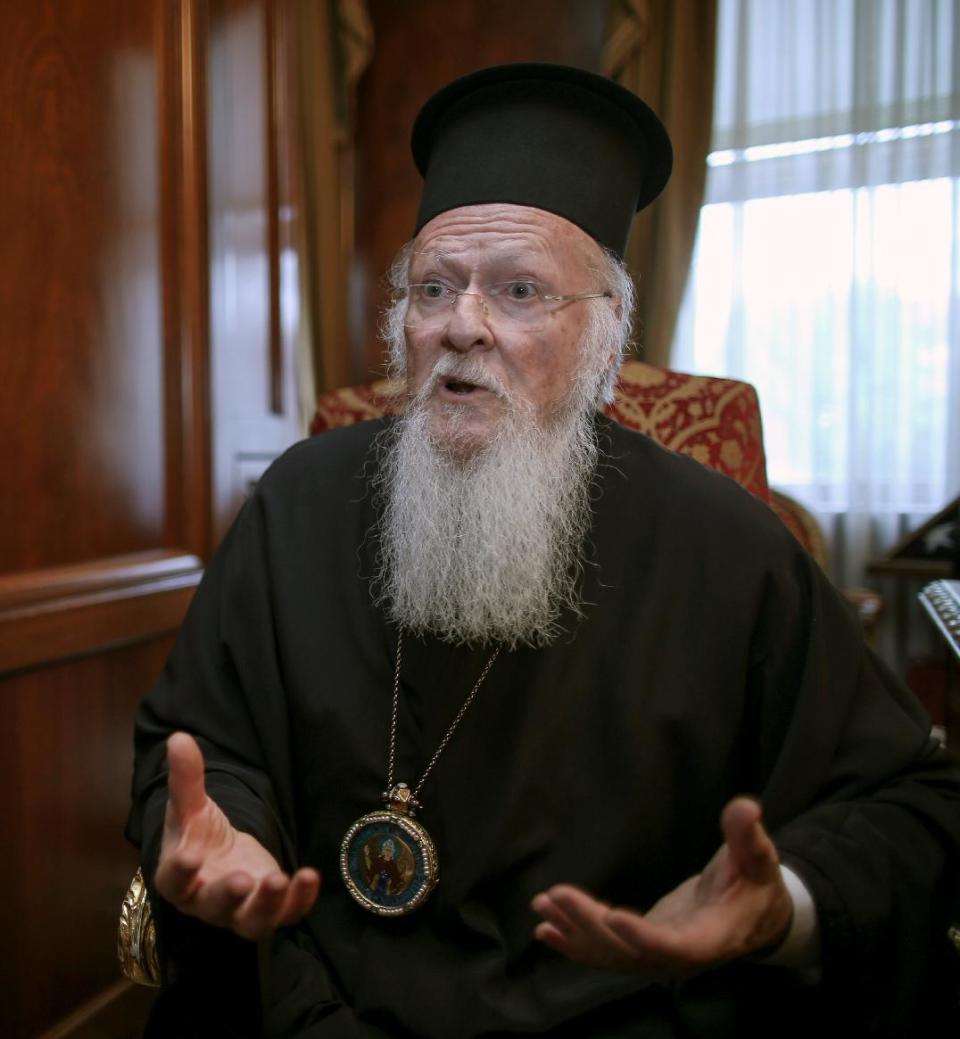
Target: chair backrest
[(800, 522), (716, 421)]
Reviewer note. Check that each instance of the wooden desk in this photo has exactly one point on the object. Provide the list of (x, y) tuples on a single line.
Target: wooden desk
[(941, 603)]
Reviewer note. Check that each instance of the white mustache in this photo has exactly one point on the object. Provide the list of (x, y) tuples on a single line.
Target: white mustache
[(465, 369)]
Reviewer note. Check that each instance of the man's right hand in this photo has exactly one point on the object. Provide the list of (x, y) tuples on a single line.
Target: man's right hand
[(209, 870)]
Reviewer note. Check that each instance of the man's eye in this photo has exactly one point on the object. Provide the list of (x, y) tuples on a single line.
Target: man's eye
[(520, 290), (433, 290)]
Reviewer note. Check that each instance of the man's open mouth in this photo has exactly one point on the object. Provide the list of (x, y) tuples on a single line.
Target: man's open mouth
[(459, 387)]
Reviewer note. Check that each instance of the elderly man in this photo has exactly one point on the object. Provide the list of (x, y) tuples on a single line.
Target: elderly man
[(504, 644)]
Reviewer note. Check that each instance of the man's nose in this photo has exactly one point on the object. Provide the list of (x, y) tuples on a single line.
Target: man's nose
[(469, 324)]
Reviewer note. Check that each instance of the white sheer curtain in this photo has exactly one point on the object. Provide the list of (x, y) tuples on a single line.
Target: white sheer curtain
[(827, 270)]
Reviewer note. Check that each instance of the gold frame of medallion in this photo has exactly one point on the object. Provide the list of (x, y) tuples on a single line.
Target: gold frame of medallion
[(418, 835)]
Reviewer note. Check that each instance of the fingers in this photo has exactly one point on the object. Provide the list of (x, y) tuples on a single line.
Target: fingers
[(738, 904), (185, 777), (663, 949), (752, 851), (177, 876), (304, 888), (218, 903), (277, 901), (252, 908), (556, 926), (620, 939), (259, 914), (592, 933), (574, 923)]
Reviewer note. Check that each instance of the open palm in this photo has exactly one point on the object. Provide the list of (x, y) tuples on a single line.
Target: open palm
[(210, 870), (737, 906)]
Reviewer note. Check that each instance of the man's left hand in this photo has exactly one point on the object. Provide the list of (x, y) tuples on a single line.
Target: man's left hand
[(737, 906)]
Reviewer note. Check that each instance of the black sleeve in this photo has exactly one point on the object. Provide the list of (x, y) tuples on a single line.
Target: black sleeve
[(863, 804), (224, 685)]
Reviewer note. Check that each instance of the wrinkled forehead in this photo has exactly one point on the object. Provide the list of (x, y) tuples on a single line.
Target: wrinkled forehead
[(496, 236)]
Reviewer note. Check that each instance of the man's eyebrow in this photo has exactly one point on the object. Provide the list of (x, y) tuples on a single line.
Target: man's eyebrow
[(531, 260), (435, 257)]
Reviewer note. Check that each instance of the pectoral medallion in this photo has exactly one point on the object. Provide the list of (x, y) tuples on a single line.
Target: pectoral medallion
[(387, 858)]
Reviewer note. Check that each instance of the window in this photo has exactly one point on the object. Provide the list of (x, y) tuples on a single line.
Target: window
[(827, 260)]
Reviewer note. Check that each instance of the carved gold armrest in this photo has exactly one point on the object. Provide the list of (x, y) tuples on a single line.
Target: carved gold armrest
[(137, 936)]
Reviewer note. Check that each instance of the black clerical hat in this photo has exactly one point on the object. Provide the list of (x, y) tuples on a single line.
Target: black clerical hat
[(548, 136)]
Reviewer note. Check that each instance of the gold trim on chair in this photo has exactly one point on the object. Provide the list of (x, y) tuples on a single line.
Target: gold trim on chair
[(137, 936)]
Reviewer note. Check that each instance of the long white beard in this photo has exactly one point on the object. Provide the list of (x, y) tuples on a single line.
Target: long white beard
[(489, 547)]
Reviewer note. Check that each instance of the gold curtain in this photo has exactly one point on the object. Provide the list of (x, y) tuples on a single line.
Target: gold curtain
[(663, 50), (335, 46)]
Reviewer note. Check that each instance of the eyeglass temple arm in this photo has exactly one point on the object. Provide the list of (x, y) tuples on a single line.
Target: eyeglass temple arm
[(579, 295)]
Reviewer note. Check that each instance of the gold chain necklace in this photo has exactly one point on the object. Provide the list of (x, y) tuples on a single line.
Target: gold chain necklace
[(387, 858)]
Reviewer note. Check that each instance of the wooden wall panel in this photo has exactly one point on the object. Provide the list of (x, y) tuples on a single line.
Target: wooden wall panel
[(420, 45), (104, 421), (82, 356), (181, 129), (65, 767), (145, 213), (51, 615)]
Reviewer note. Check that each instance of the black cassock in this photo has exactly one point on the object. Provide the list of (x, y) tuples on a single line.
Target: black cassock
[(713, 659)]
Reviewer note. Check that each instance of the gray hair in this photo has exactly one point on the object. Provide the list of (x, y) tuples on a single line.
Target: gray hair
[(608, 332), (614, 332)]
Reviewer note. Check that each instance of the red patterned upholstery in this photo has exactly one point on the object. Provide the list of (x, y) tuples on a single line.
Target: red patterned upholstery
[(357, 404), (716, 421)]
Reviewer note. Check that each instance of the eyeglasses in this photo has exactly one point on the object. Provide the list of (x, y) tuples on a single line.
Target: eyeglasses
[(523, 303)]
